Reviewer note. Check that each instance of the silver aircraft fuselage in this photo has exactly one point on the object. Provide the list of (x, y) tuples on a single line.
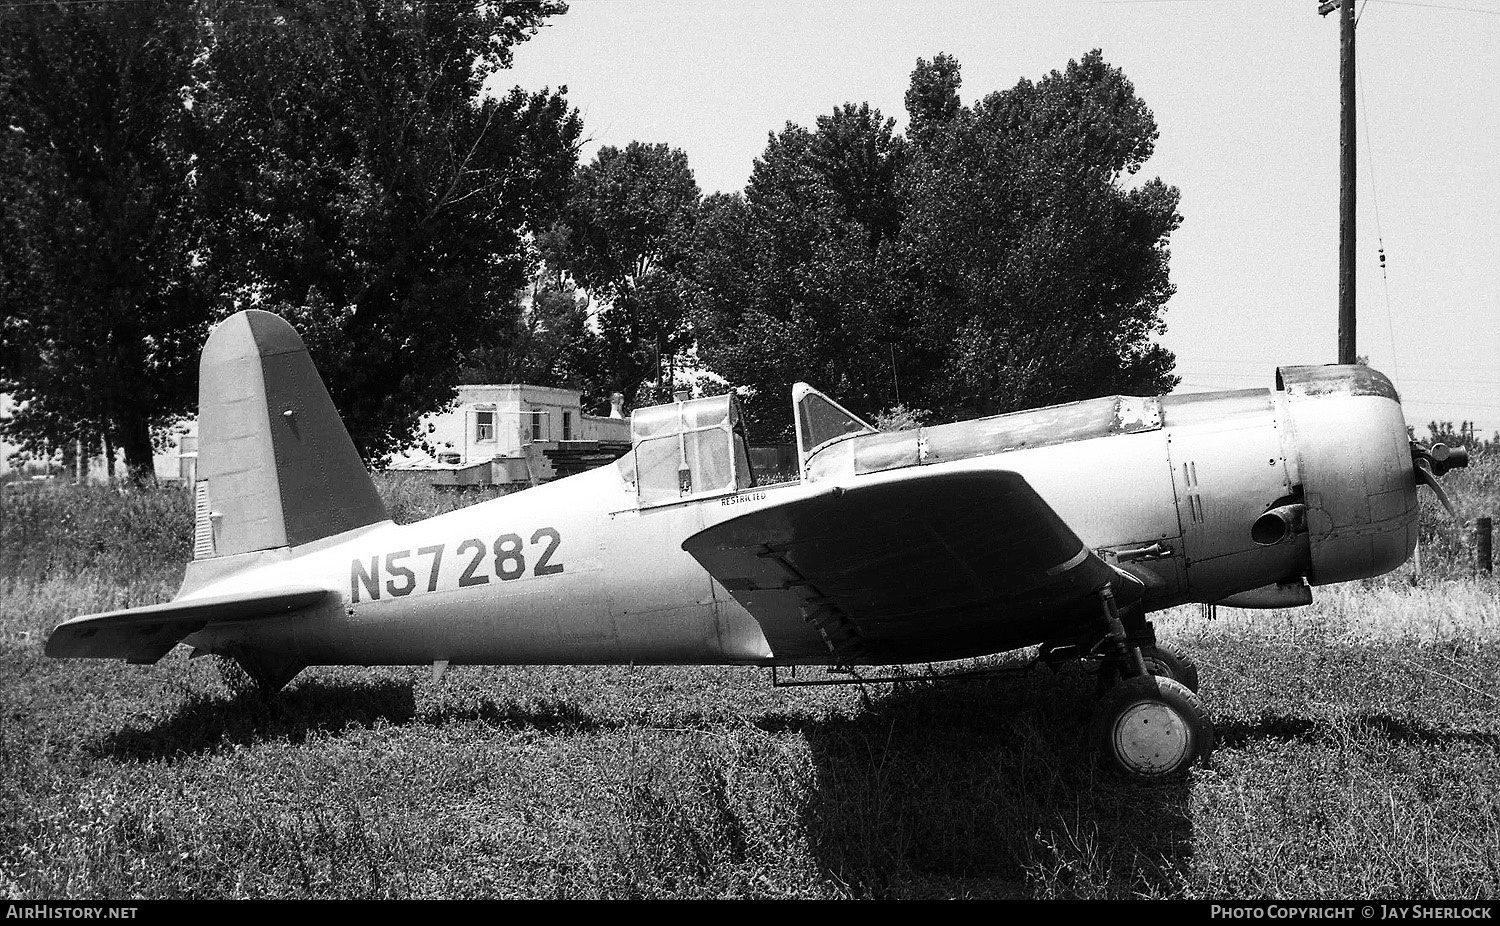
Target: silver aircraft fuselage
[(1245, 497)]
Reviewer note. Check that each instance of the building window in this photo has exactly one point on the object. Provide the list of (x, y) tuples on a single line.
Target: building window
[(567, 426), (484, 426), (536, 425)]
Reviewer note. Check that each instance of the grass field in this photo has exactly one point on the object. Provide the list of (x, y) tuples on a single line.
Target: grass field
[(1359, 757)]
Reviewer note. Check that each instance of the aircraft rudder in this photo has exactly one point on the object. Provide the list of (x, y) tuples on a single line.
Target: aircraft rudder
[(276, 466)]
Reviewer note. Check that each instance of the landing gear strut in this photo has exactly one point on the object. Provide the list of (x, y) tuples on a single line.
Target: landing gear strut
[(1161, 659), (1151, 725)]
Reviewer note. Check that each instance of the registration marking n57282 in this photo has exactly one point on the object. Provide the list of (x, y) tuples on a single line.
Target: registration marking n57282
[(505, 560)]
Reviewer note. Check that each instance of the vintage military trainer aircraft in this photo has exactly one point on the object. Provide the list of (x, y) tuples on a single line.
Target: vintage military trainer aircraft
[(1061, 528)]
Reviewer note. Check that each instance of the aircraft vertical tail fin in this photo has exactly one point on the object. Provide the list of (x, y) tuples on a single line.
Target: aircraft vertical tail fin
[(276, 467)]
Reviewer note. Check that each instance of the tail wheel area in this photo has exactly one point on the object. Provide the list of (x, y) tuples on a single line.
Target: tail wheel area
[(244, 673), (1151, 728), (236, 677)]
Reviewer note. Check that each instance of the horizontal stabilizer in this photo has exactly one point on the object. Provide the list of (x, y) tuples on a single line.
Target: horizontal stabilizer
[(144, 635)]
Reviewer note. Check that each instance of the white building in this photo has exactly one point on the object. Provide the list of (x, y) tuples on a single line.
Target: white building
[(502, 435), (493, 435)]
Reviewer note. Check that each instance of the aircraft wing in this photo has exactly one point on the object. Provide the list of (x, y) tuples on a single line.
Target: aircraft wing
[(925, 568), (144, 635)]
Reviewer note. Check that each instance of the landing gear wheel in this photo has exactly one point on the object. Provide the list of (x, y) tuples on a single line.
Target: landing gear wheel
[(1151, 728), (1164, 659)]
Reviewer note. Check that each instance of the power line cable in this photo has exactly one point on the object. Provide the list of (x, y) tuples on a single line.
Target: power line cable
[(1435, 6), (1385, 281), (1190, 367)]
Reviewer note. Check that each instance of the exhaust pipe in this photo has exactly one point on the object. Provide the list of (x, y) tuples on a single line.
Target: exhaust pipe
[(1278, 524)]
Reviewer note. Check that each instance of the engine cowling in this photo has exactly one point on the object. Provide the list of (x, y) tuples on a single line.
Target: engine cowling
[(1355, 467)]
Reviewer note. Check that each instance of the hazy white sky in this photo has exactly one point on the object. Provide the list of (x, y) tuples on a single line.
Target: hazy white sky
[(1246, 98)]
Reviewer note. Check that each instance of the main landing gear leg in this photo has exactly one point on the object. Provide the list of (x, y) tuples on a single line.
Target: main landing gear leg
[(1148, 727), (1127, 657)]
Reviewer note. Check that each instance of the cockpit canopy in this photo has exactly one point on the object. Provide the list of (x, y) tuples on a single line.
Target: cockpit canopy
[(689, 448), (821, 420)]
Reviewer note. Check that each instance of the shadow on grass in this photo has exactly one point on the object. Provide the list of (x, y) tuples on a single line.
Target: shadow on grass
[(205, 723), (1237, 734), (548, 715), (973, 789), (560, 715), (988, 790)]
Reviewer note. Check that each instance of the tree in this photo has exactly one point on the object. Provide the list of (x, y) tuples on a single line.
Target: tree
[(551, 344), (994, 260), (1035, 276), (859, 158), (102, 298), (365, 186), (626, 236), (1465, 435), (932, 100), (791, 281), (166, 163)]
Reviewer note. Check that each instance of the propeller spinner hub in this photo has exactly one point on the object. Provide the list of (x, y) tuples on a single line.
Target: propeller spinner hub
[(1428, 463)]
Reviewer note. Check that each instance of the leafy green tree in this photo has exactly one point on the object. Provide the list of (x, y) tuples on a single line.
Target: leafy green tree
[(364, 185), (626, 237), (102, 299)]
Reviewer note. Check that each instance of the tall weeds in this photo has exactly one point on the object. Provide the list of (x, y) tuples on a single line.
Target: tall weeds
[(1359, 756)]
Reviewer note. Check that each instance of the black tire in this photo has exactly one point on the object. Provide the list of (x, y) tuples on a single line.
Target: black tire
[(1151, 728), (1164, 659), (1161, 659)]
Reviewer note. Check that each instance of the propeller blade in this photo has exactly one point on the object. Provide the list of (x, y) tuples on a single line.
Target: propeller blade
[(1425, 477)]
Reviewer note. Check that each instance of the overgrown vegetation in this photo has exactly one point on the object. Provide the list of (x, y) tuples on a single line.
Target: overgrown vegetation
[(339, 162), (1359, 757), (357, 167)]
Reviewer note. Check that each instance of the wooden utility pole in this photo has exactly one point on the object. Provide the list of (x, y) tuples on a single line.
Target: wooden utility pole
[(1346, 173)]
